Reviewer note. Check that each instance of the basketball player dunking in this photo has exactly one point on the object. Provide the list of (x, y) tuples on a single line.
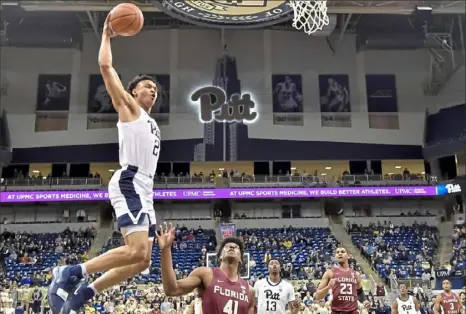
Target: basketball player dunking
[(130, 192), (448, 301), (346, 286), (222, 290), (273, 293), (405, 304)]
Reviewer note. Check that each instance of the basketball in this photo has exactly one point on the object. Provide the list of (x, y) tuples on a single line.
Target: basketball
[(126, 19)]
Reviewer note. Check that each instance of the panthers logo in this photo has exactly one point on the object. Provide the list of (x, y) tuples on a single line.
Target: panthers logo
[(229, 13)]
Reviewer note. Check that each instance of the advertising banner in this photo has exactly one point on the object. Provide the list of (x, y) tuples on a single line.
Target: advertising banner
[(239, 193)]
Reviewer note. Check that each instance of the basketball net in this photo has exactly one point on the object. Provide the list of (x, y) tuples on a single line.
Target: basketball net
[(309, 16)]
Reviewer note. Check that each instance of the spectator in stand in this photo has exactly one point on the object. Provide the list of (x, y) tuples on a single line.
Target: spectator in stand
[(458, 260), (28, 257), (400, 251)]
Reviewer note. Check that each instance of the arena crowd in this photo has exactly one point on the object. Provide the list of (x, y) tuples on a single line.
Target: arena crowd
[(27, 260)]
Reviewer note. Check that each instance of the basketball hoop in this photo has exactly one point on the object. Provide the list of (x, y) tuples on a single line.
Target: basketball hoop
[(309, 16)]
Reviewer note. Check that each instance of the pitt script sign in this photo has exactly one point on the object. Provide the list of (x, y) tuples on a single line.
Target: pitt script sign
[(213, 105)]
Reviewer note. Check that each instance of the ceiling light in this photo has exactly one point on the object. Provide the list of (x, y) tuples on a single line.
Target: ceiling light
[(424, 8)]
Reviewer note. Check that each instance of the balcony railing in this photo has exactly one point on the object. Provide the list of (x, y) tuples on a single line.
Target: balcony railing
[(376, 178), (50, 182)]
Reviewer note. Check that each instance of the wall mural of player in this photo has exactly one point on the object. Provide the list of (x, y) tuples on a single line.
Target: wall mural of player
[(335, 100), (99, 100), (53, 92), (287, 99), (287, 93)]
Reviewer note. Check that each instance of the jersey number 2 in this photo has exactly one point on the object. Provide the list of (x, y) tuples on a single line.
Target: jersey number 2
[(155, 150), (153, 129), (231, 307)]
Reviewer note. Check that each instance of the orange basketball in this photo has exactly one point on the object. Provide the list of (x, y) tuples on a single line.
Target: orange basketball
[(126, 19)]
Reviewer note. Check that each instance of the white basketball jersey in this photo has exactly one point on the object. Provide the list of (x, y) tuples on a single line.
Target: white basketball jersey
[(406, 307), (272, 298), (198, 306), (139, 143)]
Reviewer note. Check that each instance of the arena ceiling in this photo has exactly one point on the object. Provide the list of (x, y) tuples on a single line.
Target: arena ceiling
[(344, 6), (29, 18)]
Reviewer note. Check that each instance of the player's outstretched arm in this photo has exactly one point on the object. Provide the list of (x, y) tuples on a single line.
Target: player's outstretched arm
[(112, 82), (437, 302), (171, 286), (325, 285), (175, 288)]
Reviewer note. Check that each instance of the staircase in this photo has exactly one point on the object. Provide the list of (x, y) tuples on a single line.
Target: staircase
[(1, 264), (105, 232), (445, 244), (339, 232)]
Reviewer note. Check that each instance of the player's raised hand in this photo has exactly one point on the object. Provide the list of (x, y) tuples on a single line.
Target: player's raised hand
[(165, 236), (107, 29), (296, 304), (367, 304)]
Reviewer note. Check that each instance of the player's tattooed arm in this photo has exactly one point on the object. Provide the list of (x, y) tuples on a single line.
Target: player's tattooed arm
[(325, 285), (437, 302)]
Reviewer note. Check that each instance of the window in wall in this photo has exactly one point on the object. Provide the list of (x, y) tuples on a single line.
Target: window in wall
[(291, 211)]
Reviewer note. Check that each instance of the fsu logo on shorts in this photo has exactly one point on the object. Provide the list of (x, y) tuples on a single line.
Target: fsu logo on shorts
[(228, 13)]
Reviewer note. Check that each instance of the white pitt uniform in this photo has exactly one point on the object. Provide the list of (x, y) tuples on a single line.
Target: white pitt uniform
[(272, 298), (131, 187), (406, 307)]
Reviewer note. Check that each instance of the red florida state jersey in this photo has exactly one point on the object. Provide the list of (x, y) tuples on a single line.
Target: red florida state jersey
[(345, 290), (450, 304), (224, 296)]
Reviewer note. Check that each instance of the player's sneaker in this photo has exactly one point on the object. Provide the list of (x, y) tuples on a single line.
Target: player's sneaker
[(78, 299), (61, 286)]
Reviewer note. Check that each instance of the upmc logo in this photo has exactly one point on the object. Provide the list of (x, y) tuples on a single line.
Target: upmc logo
[(213, 105), (453, 188)]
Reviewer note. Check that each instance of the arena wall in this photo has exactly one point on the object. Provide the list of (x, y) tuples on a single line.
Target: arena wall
[(189, 57)]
